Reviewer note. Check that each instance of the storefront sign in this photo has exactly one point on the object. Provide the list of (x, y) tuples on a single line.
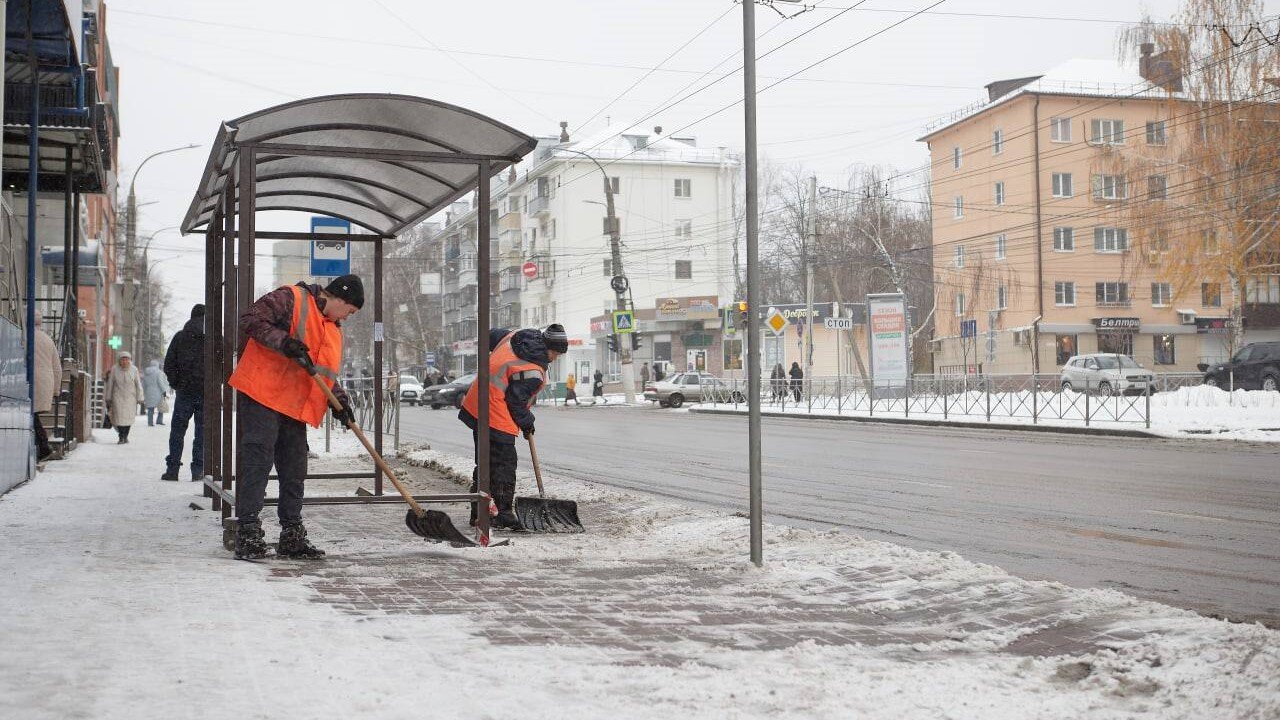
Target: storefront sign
[(1213, 326), (602, 327), (797, 312), (696, 340), (1118, 324), (465, 347), (675, 309), (888, 337)]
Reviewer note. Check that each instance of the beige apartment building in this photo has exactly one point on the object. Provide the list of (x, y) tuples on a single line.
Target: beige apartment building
[(1033, 258)]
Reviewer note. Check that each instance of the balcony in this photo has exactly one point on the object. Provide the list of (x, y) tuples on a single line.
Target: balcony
[(539, 205), (510, 221)]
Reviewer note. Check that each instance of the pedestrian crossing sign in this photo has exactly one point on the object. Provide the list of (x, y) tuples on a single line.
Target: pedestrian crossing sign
[(624, 321)]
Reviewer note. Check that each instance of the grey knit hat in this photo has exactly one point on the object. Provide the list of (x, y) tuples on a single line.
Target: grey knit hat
[(556, 338)]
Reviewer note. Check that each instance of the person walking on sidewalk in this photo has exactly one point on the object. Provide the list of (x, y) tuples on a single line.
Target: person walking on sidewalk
[(797, 380), (155, 390), (597, 388), (288, 328), (123, 394), (184, 369), (644, 374), (777, 383), (570, 389), (518, 364), (48, 382)]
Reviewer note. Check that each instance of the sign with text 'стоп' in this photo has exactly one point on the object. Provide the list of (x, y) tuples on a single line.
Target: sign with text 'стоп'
[(887, 316)]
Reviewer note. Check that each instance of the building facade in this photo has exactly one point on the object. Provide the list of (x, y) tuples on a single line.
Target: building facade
[(1034, 258)]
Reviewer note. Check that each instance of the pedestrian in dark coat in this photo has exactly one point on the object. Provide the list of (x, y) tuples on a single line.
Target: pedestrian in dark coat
[(597, 387), (797, 380), (777, 382), (184, 369)]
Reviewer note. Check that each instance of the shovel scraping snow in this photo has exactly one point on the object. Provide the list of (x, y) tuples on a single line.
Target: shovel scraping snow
[(543, 514)]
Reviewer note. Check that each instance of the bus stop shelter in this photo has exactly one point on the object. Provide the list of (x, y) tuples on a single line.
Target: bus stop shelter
[(381, 162)]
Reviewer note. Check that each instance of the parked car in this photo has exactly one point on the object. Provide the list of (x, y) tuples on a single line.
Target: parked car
[(410, 390), (450, 393), (691, 387), (1255, 366), (1106, 374)]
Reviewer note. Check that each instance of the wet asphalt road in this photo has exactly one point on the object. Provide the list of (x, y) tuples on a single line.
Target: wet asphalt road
[(1195, 524)]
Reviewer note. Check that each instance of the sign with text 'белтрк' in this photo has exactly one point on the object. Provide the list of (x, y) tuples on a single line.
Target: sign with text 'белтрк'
[(887, 337)]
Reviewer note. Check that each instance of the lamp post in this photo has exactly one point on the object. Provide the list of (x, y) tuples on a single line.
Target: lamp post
[(619, 281), (131, 211)]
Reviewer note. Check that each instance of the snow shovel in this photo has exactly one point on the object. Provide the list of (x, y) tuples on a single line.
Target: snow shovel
[(430, 524), (543, 515)]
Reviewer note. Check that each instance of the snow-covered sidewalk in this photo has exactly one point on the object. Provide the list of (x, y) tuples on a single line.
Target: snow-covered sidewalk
[(121, 603)]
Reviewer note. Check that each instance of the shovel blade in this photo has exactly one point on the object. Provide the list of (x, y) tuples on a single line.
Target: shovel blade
[(436, 526), (543, 515)]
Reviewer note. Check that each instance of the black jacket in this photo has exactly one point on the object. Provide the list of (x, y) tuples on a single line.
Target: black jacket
[(528, 345), (184, 363)]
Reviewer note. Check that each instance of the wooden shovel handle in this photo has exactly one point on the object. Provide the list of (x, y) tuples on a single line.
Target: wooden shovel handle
[(382, 465), (537, 469)]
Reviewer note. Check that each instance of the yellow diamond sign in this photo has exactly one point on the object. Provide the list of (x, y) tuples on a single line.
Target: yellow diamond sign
[(776, 321)]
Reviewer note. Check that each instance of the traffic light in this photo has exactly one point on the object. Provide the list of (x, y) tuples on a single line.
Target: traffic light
[(635, 341), (613, 343)]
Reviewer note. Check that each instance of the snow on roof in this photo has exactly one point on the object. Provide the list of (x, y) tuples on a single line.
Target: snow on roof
[(618, 142)]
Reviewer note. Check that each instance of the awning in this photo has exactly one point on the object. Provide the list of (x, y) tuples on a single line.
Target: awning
[(322, 156)]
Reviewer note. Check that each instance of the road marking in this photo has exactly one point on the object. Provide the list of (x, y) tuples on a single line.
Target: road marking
[(1194, 516), (916, 482)]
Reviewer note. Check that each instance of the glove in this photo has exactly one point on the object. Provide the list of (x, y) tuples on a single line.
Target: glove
[(344, 414), (527, 432), (294, 348)]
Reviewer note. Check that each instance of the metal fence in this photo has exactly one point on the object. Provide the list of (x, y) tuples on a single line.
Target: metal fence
[(361, 394), (987, 398)]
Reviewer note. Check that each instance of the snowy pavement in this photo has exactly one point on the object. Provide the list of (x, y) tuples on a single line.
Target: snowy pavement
[(121, 603)]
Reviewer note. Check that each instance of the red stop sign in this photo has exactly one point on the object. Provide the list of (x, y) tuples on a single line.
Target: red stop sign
[(530, 270)]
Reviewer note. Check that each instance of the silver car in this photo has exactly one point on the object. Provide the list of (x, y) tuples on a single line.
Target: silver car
[(1106, 374), (692, 387)]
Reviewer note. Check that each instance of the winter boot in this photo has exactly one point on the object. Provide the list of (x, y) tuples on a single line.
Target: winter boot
[(294, 544), (197, 473), (170, 474), (507, 520), (249, 541)]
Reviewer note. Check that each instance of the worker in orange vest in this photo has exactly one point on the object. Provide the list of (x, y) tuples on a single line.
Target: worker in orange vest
[(287, 328), (517, 371)]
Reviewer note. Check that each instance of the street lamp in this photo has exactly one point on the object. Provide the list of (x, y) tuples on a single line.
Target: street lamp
[(131, 221)]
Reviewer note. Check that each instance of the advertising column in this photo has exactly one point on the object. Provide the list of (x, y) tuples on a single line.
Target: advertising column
[(887, 337)]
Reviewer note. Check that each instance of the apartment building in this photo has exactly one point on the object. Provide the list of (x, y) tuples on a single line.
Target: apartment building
[(551, 256), (1034, 258)]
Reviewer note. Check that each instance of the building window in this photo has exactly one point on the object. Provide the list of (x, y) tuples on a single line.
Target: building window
[(1066, 346), (1263, 290), (1209, 242), (1110, 240), (1064, 239), (1163, 349), (615, 185), (957, 157), (1106, 132), (997, 142), (1060, 129), (1211, 295), (1109, 187), (608, 267), (1155, 133), (1157, 187), (999, 193), (1002, 297), (684, 188), (1112, 293), (1161, 294), (684, 230), (1062, 185), (959, 258), (959, 304), (959, 208), (1120, 343), (1002, 242), (684, 269), (1064, 294)]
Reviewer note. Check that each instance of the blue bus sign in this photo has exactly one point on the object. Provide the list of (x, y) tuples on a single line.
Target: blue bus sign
[(330, 258)]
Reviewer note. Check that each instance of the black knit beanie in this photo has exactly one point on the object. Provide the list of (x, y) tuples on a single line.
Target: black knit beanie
[(347, 288)]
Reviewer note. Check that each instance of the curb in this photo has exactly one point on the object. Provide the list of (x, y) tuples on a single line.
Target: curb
[(947, 423)]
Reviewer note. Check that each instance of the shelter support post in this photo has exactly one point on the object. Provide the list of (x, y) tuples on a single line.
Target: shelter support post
[(378, 380), (482, 343)]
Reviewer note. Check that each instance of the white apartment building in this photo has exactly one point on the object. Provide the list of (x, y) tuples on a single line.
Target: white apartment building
[(551, 254)]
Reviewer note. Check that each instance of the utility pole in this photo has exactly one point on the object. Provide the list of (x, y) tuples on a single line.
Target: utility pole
[(754, 453), (811, 242)]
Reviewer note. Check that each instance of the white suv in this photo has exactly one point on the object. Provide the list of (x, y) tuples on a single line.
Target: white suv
[(1106, 374), (410, 390)]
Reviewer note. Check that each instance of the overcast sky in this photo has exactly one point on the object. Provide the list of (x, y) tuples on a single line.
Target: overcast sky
[(185, 67)]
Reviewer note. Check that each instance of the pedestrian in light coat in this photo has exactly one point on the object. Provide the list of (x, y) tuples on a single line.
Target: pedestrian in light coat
[(123, 394), (48, 382), (155, 389)]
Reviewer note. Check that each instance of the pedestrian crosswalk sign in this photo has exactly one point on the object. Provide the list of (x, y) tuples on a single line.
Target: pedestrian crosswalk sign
[(624, 321)]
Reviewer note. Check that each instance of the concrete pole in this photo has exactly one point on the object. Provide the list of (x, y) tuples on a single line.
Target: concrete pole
[(754, 453), (620, 291)]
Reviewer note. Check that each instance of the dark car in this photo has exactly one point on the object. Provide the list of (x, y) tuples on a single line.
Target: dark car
[(1255, 366), (450, 393)]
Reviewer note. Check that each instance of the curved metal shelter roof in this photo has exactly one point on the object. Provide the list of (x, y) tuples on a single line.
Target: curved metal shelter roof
[(383, 162)]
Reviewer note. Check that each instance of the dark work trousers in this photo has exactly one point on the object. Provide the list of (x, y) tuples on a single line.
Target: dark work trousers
[(43, 450), (502, 471), (186, 406), (268, 438)]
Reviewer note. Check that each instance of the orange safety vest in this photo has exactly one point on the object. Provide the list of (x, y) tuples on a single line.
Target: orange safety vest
[(279, 382), (504, 366)]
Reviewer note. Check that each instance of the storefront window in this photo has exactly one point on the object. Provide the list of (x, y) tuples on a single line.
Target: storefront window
[(733, 353), (1113, 342), (1067, 345), (662, 350), (1164, 349)]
